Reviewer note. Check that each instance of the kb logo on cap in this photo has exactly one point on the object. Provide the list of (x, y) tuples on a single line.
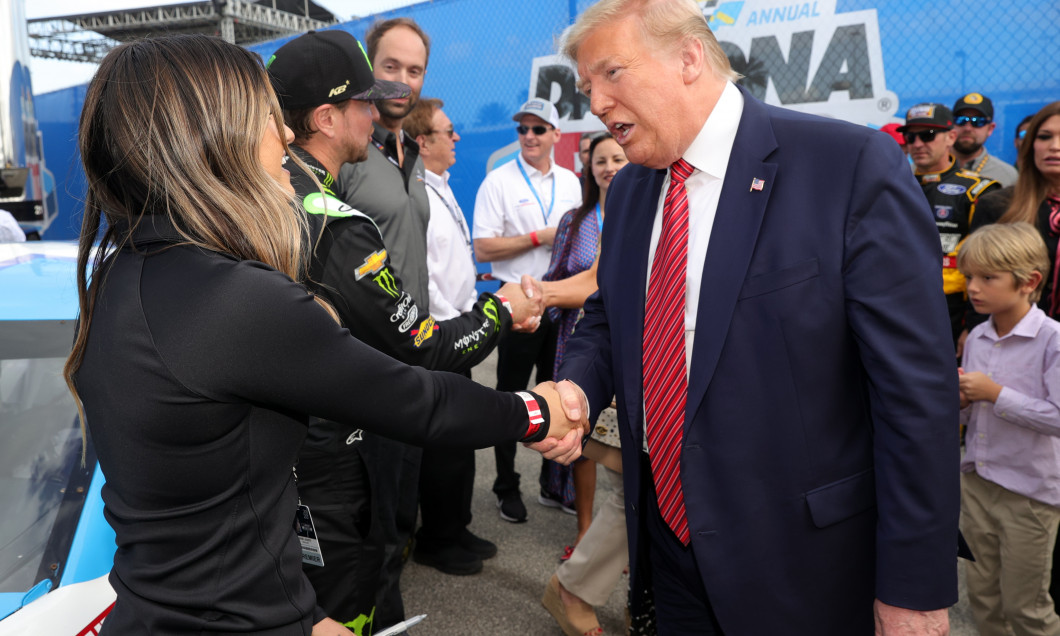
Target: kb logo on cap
[(338, 90)]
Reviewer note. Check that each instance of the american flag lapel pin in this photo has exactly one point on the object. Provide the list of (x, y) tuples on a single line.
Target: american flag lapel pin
[(757, 184)]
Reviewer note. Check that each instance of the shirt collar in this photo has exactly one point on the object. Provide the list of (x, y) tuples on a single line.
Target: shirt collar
[(438, 181), (530, 170), (711, 148), (1027, 327)]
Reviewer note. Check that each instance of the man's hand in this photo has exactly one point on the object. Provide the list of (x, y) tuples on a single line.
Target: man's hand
[(329, 627), (898, 621), (976, 386), (563, 451), (526, 309), (568, 421)]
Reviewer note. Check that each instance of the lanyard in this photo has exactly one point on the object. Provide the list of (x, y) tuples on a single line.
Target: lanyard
[(551, 203), (457, 216), (599, 219)]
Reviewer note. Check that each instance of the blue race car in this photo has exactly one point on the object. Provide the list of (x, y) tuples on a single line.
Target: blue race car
[(55, 546)]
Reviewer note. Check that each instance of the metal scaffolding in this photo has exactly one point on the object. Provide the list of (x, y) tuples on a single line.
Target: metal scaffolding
[(88, 37)]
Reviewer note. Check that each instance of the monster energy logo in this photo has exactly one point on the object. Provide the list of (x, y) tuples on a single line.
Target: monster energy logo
[(490, 309), (386, 281), (358, 624)]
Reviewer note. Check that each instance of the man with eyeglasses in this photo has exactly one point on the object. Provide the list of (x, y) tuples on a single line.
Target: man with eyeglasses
[(950, 191), (447, 476), (517, 209), (974, 123)]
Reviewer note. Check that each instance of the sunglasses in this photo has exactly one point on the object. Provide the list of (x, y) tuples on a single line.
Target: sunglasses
[(976, 122), (448, 132), (538, 130), (926, 136)]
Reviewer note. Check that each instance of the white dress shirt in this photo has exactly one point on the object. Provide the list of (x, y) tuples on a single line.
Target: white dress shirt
[(450, 260), (709, 155)]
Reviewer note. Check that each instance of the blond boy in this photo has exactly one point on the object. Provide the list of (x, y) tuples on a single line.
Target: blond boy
[(1010, 402)]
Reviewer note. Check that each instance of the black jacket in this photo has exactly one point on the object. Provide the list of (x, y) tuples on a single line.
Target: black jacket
[(198, 378), (351, 268)]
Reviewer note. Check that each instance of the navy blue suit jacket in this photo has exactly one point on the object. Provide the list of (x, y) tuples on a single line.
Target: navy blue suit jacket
[(820, 454)]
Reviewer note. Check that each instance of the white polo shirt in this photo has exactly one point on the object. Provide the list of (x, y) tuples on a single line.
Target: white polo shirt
[(450, 264), (506, 206)]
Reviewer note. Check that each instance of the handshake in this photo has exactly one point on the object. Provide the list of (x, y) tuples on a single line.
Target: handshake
[(528, 303), (568, 421)]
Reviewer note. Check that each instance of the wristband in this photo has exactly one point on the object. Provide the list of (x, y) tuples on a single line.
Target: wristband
[(506, 303), (538, 428), (534, 239)]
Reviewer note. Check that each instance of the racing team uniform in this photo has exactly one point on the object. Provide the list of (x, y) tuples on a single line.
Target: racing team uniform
[(393, 194), (952, 195), (337, 475)]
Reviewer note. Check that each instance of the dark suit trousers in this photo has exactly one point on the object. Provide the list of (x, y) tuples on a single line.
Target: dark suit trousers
[(682, 606), (447, 481), (517, 355)]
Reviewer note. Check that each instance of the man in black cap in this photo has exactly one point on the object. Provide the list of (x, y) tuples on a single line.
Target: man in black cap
[(325, 86), (950, 191), (974, 122)]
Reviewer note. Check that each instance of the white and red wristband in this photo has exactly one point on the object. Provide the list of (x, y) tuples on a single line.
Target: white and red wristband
[(538, 428)]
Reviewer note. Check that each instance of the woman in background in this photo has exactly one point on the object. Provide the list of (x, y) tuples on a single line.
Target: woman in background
[(593, 566), (1035, 198), (574, 254), (198, 357)]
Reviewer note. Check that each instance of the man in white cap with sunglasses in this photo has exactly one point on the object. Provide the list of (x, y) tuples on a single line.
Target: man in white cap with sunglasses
[(517, 209)]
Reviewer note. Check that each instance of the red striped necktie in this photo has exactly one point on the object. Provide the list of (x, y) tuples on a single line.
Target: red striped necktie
[(665, 379)]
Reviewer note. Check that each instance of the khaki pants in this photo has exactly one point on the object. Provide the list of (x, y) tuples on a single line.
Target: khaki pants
[(1011, 537), (596, 565)]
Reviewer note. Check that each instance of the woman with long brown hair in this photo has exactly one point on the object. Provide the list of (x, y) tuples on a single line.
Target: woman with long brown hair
[(199, 356), (1035, 198)]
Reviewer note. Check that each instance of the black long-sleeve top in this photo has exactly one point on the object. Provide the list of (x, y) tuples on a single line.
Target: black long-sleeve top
[(199, 374)]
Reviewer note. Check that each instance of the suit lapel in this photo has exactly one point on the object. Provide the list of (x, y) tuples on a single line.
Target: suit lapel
[(732, 243)]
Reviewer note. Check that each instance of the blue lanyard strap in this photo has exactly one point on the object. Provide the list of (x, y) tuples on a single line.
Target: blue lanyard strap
[(551, 203), (456, 214), (599, 219)]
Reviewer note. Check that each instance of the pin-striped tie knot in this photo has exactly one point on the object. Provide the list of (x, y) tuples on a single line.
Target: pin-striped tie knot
[(680, 170)]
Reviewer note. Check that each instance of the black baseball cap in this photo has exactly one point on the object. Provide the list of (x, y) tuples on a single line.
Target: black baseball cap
[(928, 115), (326, 67), (977, 102)]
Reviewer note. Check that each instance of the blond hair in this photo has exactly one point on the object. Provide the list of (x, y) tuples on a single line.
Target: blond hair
[(172, 126), (666, 23), (1016, 248)]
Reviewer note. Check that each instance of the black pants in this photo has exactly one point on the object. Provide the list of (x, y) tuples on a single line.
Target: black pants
[(517, 355), (447, 481), (957, 305), (334, 480), (394, 498)]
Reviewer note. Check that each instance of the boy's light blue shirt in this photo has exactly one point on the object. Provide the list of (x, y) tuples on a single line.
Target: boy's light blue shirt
[(1015, 442)]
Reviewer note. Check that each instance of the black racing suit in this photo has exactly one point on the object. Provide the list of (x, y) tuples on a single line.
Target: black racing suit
[(952, 195), (339, 475)]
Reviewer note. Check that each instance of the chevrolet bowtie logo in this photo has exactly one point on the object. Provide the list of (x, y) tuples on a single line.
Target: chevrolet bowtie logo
[(372, 264)]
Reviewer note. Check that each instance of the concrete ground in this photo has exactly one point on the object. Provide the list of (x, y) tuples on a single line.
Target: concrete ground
[(505, 598)]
